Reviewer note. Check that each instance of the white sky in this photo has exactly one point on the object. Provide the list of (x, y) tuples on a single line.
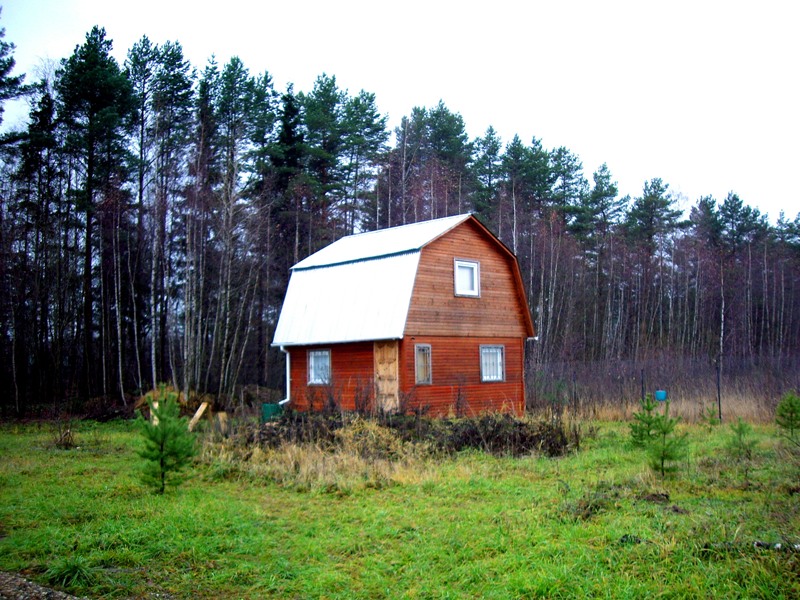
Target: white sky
[(704, 94)]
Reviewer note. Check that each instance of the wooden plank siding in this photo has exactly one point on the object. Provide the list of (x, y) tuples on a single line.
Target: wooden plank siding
[(456, 385), (352, 377), (455, 327), (501, 309)]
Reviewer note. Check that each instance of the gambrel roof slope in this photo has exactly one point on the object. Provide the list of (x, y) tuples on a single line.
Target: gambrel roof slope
[(381, 243), (359, 288)]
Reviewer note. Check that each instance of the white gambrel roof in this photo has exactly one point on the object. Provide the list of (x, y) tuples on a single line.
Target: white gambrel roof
[(358, 288)]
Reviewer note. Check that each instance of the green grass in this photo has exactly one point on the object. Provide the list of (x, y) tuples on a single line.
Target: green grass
[(597, 523)]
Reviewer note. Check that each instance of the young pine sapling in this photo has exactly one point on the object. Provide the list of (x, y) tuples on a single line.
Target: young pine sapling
[(168, 444)]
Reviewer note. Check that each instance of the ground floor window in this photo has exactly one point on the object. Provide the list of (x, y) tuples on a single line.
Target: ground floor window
[(422, 363), (493, 366), (319, 367)]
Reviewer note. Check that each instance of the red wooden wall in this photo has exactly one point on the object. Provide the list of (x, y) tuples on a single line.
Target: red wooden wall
[(456, 385), (454, 326), (352, 367)]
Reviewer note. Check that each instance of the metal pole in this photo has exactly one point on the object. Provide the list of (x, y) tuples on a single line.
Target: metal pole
[(719, 387)]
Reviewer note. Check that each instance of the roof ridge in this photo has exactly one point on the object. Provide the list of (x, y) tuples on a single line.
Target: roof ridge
[(358, 260), (390, 241), (395, 227)]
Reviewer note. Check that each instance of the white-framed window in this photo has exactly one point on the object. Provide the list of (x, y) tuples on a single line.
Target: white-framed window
[(319, 367), (422, 363), (493, 363), (467, 277)]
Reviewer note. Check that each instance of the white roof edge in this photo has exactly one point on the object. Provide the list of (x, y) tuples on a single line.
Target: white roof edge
[(381, 242), (332, 342), (299, 267)]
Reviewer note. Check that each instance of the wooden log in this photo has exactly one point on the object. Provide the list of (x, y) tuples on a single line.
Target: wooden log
[(222, 423), (200, 410)]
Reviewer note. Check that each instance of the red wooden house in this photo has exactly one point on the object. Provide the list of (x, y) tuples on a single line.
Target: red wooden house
[(429, 316)]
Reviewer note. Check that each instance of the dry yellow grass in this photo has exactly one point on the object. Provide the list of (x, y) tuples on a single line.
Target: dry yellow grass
[(369, 457), (693, 409)]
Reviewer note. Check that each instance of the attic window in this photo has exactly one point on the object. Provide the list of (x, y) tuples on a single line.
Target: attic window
[(467, 275), (319, 367)]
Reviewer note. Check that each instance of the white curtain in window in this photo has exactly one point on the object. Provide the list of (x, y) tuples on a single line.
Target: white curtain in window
[(319, 366), (492, 363)]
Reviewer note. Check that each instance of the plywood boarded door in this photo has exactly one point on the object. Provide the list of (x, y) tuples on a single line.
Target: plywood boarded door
[(387, 385)]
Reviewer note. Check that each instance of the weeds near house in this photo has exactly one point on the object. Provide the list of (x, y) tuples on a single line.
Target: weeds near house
[(341, 452), (369, 440)]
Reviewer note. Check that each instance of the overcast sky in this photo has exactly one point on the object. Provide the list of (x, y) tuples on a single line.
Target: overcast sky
[(704, 95)]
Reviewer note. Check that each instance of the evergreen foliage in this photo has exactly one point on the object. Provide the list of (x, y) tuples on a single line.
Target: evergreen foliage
[(741, 444), (666, 447), (787, 416), (151, 214), (644, 422), (11, 86), (710, 417), (168, 444)]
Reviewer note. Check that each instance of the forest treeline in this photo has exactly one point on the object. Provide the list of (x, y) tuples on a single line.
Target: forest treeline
[(150, 212)]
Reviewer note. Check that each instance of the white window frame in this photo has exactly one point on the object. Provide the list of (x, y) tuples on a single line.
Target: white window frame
[(426, 352), (475, 266), (493, 363), (315, 377)]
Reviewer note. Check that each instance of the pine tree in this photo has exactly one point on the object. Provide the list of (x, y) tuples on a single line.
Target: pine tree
[(11, 86), (96, 106), (666, 447), (787, 416), (168, 443), (643, 426), (652, 216)]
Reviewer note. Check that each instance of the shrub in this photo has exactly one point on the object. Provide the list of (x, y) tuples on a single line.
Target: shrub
[(63, 437), (504, 434), (168, 443)]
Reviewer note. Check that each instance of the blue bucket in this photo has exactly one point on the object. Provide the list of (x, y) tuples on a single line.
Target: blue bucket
[(661, 395)]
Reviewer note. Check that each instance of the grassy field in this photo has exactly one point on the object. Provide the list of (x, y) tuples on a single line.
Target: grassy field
[(596, 523)]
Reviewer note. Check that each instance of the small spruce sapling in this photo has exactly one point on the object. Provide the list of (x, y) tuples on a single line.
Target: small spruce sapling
[(787, 416), (642, 428), (741, 444), (666, 447), (710, 417), (168, 443)]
